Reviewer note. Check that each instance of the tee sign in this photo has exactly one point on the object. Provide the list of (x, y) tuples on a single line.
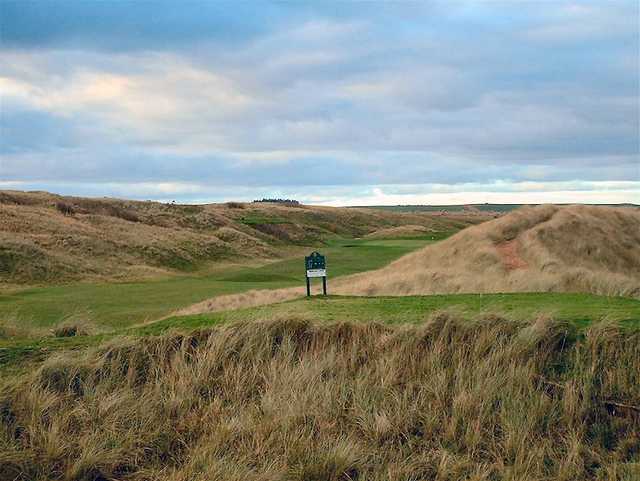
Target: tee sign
[(316, 266)]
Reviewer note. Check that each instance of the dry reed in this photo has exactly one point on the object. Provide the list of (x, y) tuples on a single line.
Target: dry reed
[(293, 400), (536, 249)]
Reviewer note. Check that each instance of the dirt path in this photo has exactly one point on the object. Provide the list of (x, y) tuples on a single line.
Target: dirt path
[(510, 257)]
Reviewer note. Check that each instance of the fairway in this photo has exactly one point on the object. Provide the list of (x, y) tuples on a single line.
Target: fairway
[(117, 305), (579, 309)]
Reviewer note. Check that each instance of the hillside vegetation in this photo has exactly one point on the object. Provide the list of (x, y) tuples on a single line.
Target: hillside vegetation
[(535, 249), (119, 304), (293, 400), (46, 238)]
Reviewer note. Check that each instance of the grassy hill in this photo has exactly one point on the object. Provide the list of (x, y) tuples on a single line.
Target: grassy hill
[(488, 208), (46, 238), (534, 249), (139, 383)]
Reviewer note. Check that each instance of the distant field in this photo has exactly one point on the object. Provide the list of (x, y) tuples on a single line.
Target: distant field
[(460, 208), (448, 208), (117, 305)]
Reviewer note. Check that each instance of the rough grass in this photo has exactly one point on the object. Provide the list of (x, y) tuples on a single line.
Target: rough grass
[(75, 327), (293, 400), (47, 238), (540, 249)]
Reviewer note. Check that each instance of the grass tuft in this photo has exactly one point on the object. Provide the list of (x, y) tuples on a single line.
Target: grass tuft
[(298, 400)]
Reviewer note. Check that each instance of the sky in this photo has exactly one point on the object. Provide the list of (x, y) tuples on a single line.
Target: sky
[(337, 103)]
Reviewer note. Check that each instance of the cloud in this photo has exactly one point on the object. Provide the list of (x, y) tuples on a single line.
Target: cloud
[(430, 194), (451, 94)]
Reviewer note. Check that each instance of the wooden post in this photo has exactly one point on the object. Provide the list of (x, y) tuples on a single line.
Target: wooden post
[(324, 285), (308, 287)]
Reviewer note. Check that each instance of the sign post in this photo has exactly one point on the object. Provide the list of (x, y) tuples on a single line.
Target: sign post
[(316, 266)]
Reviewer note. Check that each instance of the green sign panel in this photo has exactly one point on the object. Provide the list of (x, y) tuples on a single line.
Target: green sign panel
[(315, 261), (316, 266)]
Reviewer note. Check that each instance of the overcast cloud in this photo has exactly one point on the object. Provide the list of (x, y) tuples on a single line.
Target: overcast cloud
[(345, 103)]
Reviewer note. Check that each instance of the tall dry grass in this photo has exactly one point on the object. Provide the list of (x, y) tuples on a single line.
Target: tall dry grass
[(252, 298), (292, 400), (50, 238), (565, 249)]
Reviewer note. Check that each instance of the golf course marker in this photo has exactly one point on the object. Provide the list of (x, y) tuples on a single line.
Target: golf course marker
[(316, 266)]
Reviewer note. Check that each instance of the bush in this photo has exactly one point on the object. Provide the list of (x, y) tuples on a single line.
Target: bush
[(290, 202), (100, 207), (65, 209), (119, 212), (72, 329), (235, 205), (66, 331), (17, 199)]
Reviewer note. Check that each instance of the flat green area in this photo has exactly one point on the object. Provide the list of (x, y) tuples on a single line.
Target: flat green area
[(579, 309), (118, 305)]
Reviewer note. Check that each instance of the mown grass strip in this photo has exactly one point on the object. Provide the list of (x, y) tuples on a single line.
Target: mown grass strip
[(579, 309), (119, 305)]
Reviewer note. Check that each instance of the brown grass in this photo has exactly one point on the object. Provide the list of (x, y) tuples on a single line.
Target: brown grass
[(12, 327), (75, 327), (65, 209), (50, 238), (545, 248), (290, 400), (252, 298)]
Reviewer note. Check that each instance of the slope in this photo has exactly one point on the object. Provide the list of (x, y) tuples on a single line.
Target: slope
[(47, 238), (544, 248)]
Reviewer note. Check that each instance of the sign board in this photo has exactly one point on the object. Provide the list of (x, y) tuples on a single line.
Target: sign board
[(315, 261), (316, 273), (316, 266)]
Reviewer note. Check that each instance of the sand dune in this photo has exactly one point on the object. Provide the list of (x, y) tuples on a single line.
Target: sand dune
[(50, 238), (544, 248)]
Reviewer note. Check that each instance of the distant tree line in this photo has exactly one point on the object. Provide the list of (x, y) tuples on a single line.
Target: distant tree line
[(279, 201)]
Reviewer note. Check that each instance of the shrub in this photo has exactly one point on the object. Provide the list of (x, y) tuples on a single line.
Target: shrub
[(65, 331), (65, 208), (235, 205), (123, 214), (72, 329), (120, 212), (290, 202), (7, 198), (101, 207)]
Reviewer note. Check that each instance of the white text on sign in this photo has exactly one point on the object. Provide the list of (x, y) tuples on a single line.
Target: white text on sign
[(316, 272)]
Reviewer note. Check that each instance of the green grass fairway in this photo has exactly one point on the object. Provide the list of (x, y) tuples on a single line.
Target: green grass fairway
[(580, 309), (117, 305)]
